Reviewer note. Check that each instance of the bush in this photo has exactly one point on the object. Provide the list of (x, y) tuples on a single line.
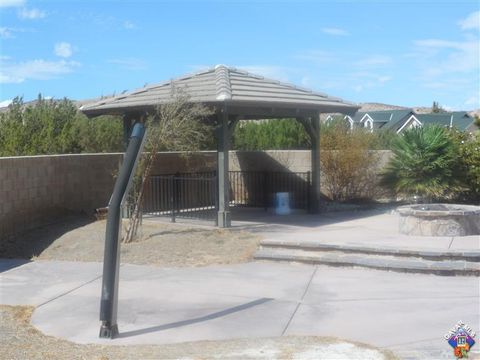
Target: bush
[(468, 166), (424, 163), (274, 134), (56, 127), (348, 167)]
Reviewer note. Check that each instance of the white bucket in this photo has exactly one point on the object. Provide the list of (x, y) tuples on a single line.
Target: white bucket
[(282, 203)]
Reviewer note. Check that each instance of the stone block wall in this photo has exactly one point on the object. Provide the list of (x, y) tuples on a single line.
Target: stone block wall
[(38, 189)]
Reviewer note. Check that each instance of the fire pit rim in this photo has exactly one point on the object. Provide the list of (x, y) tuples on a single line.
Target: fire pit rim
[(422, 210)]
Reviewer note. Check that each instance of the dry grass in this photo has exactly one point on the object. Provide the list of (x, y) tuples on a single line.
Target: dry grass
[(161, 244)]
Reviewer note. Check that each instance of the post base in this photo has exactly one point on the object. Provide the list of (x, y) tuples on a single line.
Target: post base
[(224, 219), (108, 331)]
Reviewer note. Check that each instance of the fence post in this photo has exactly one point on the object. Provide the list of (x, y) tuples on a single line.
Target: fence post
[(171, 189)]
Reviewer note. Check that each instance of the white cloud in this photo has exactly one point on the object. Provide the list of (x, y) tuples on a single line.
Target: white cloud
[(128, 25), (367, 80), (384, 79), (31, 14), (18, 72), (11, 3), (445, 57), (335, 31), (472, 21), (273, 72), (317, 56), (63, 49), (374, 60), (5, 33), (129, 63)]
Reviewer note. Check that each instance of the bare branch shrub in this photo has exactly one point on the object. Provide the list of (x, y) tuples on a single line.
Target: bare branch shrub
[(348, 167), (179, 125)]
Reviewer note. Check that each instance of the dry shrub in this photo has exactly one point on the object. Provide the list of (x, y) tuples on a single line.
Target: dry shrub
[(348, 166)]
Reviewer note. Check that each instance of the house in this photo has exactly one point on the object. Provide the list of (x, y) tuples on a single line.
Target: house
[(394, 120), (401, 120), (460, 120)]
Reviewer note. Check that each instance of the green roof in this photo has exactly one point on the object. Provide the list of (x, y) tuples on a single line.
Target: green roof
[(385, 119), (459, 119)]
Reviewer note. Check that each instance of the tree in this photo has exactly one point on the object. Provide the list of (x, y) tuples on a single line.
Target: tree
[(176, 126), (424, 163), (436, 108)]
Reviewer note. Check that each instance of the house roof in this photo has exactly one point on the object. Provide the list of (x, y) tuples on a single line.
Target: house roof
[(459, 119), (240, 90), (385, 119)]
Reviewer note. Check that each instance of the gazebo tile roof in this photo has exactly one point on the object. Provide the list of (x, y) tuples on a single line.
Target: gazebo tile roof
[(223, 84)]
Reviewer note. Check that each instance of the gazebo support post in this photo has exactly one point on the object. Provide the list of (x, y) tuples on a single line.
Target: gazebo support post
[(223, 141), (127, 129), (315, 158), (312, 127)]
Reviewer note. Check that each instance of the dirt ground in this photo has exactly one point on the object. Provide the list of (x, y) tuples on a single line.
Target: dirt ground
[(161, 244), (21, 341)]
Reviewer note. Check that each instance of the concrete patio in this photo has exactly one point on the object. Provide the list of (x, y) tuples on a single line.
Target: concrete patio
[(406, 313), (366, 238)]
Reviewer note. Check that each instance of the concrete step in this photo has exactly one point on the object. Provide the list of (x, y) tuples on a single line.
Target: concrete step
[(381, 262), (428, 254)]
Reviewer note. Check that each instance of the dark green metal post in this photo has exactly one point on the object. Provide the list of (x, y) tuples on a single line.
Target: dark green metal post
[(111, 262), (315, 138)]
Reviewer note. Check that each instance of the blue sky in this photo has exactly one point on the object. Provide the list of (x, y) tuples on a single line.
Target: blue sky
[(398, 52)]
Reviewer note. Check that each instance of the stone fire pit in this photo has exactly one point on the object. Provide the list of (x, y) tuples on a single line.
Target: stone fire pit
[(439, 220)]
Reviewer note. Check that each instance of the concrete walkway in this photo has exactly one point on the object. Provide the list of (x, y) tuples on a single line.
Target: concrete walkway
[(407, 313), (362, 228)]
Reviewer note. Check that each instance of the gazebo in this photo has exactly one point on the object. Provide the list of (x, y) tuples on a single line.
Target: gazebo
[(235, 95)]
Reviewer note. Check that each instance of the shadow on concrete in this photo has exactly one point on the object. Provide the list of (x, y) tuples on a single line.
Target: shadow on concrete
[(8, 264), (195, 320), (33, 242), (257, 220)]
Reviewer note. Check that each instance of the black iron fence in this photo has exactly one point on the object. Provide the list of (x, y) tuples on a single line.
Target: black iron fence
[(194, 195), (258, 189), (187, 195)]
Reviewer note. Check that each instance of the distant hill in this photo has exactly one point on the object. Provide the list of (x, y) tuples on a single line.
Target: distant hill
[(365, 107)]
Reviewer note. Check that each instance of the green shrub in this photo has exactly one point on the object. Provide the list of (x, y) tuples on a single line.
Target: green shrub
[(424, 163)]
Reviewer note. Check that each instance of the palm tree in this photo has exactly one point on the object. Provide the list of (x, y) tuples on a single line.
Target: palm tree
[(423, 164)]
